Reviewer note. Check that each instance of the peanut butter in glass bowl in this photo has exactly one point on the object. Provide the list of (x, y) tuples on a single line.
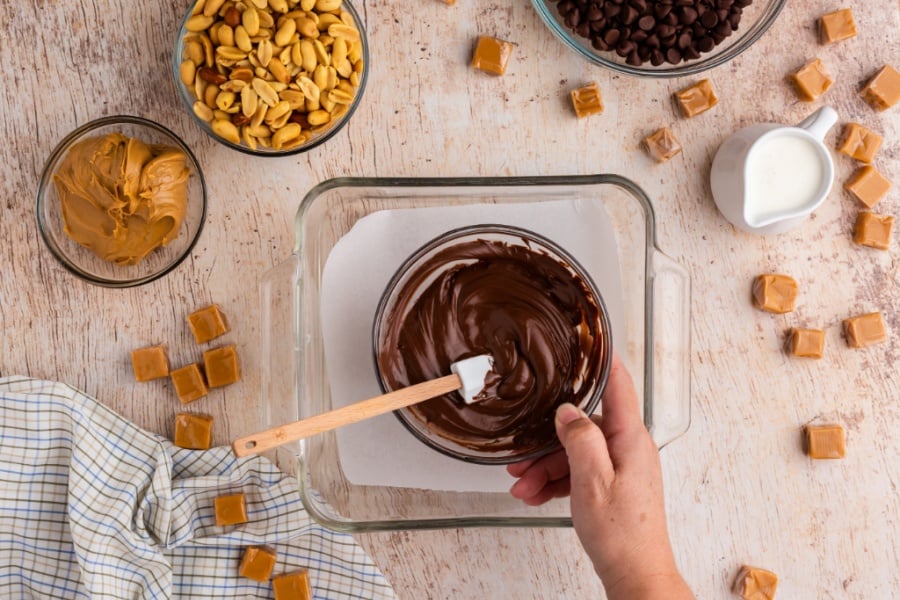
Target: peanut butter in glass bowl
[(121, 201)]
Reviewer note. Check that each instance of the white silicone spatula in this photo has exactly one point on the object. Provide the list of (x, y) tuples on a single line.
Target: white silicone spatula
[(467, 377)]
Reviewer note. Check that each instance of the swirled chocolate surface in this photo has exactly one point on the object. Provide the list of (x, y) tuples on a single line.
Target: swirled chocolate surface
[(539, 321)]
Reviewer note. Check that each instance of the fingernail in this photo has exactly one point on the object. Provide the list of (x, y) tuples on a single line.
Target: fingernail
[(566, 413)]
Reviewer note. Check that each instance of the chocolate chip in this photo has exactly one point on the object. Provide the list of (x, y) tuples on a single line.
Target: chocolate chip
[(628, 15), (709, 19), (665, 31), (661, 10), (673, 56), (638, 36), (611, 37), (657, 58), (647, 22), (594, 13), (705, 44), (688, 15)]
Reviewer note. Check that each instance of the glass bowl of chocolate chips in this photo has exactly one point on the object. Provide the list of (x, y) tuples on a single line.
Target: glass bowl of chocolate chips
[(659, 38)]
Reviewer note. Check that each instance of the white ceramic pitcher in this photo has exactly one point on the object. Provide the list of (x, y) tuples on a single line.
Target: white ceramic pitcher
[(767, 178)]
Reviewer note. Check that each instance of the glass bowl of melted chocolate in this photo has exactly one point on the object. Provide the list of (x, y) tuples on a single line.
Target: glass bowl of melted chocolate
[(659, 38), (509, 293)]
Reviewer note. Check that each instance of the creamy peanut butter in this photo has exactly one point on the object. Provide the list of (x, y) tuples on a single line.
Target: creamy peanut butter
[(122, 198)]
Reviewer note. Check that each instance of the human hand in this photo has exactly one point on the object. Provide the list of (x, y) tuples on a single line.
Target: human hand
[(610, 467)]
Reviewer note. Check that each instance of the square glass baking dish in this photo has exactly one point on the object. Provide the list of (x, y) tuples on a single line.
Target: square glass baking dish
[(656, 294)]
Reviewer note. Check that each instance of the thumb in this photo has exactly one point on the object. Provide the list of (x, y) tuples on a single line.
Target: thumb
[(585, 446)]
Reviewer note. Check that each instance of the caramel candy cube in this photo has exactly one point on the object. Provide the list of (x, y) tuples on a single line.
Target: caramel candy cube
[(812, 80), (193, 431), (491, 55), (587, 101), (868, 185), (189, 383), (149, 363), (753, 583), (774, 293), (257, 563), (807, 343), (221, 366), (859, 142), (865, 330), (697, 98), (292, 586), (825, 441), (873, 230), (230, 510), (208, 323), (661, 145), (836, 26), (883, 90)]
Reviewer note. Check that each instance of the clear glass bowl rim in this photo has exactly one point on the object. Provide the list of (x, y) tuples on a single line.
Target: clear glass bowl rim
[(188, 100), (46, 175), (747, 39), (487, 229)]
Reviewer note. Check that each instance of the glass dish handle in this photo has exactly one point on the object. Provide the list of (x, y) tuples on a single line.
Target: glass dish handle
[(670, 385), (279, 358)]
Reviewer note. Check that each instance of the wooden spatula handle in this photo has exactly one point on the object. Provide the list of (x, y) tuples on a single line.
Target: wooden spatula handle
[(353, 413)]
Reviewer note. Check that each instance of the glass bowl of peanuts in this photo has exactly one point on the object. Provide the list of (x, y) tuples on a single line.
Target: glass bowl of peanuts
[(659, 38), (271, 77)]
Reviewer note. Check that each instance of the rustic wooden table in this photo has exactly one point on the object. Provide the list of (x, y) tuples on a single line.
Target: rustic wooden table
[(738, 487)]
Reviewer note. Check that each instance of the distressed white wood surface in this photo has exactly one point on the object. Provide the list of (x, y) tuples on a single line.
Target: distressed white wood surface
[(738, 488)]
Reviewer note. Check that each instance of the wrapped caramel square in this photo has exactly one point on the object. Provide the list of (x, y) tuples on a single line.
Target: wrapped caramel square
[(825, 441), (883, 90), (753, 583), (865, 330), (697, 98), (868, 185), (812, 80), (859, 142), (491, 55), (230, 510), (836, 26), (587, 101), (662, 145), (189, 383), (149, 363), (292, 586), (774, 293), (873, 230), (257, 563), (806, 343), (208, 323), (193, 431), (221, 366)]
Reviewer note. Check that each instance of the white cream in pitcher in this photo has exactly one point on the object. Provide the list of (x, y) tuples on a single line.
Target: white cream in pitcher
[(784, 173)]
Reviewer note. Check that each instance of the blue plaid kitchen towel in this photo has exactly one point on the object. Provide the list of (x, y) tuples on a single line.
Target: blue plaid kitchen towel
[(91, 506)]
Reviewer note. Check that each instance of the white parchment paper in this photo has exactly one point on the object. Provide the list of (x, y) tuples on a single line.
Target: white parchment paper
[(381, 451)]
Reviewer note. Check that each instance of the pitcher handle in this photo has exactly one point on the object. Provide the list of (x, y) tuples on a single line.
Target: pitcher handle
[(819, 122)]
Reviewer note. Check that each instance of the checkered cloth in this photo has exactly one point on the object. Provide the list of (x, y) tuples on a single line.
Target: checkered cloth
[(93, 507)]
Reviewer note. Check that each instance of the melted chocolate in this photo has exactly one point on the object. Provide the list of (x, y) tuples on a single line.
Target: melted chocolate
[(539, 321)]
